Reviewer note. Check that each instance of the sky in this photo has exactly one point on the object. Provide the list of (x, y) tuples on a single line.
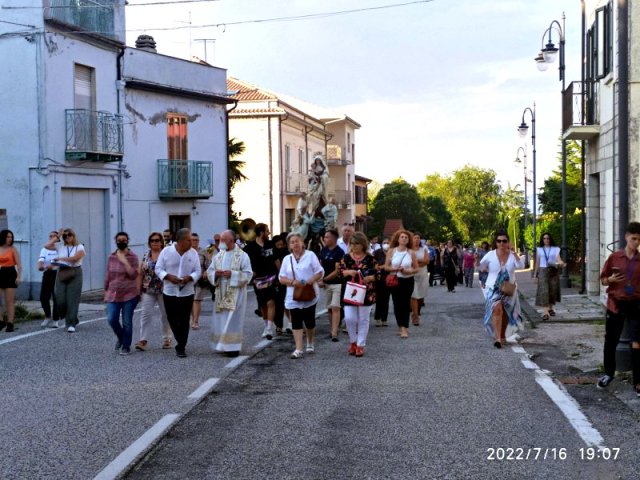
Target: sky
[(435, 85)]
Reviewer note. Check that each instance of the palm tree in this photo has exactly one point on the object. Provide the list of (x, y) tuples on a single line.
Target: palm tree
[(235, 148)]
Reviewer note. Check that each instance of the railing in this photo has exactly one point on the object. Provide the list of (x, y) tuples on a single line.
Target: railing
[(185, 179), (343, 198), (579, 109), (96, 17), (93, 136), (335, 157), (295, 183)]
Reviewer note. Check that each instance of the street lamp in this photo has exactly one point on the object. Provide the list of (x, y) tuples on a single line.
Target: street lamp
[(549, 53), (524, 241), (522, 131)]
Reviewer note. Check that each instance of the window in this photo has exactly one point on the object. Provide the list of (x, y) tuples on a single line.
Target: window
[(361, 195), (84, 88), (177, 136), (348, 142), (301, 162), (287, 158), (599, 62)]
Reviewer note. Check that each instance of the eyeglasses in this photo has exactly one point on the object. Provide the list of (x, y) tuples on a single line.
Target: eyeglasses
[(502, 240), (155, 240)]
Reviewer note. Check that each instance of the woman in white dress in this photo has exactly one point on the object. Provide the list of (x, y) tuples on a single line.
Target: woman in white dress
[(421, 279), (502, 305)]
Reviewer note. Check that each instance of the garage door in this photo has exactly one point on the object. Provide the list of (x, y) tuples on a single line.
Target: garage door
[(85, 211)]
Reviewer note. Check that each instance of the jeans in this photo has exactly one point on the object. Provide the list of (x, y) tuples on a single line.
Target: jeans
[(468, 276), (124, 332), (46, 294)]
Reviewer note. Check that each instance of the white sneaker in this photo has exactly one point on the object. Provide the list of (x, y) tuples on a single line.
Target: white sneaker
[(60, 324), (71, 329), (267, 333), (47, 322), (310, 348)]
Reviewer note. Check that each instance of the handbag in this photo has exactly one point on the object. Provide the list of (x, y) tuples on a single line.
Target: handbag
[(508, 288), (65, 275), (355, 293), (264, 282), (392, 280), (302, 293)]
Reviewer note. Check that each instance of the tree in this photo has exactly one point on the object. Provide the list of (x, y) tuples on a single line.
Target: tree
[(235, 148), (398, 199), (439, 225), (551, 196)]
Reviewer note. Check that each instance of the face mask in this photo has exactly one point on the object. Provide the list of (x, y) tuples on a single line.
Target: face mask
[(223, 247), (385, 246), (122, 245)]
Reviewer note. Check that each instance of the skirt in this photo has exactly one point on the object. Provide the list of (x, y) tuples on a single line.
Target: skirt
[(8, 276), (548, 292), (421, 283)]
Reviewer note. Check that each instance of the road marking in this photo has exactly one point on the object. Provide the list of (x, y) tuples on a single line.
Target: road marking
[(529, 364), (571, 409), (137, 448), (236, 361), (203, 389), (47, 330), (262, 344), (518, 349)]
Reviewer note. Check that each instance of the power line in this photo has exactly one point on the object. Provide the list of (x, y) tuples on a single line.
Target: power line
[(97, 5)]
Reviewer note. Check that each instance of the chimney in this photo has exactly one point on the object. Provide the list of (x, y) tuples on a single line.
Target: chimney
[(146, 43)]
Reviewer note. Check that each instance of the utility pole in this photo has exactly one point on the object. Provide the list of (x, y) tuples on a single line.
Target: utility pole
[(205, 41)]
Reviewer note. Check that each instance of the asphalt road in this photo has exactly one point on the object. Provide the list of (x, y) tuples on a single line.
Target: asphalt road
[(442, 404)]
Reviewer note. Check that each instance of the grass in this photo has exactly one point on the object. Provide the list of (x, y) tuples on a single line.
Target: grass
[(23, 314)]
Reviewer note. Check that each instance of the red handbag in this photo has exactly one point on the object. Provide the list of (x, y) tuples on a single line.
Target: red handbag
[(392, 280)]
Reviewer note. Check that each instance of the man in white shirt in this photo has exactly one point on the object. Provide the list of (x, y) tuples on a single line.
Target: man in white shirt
[(343, 242), (178, 266)]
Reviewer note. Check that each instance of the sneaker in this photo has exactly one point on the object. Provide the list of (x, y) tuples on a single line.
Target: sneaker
[(166, 343), (71, 329), (310, 349), (385, 324), (125, 351), (604, 381), (359, 351), (296, 355), (264, 332), (10, 328), (378, 322), (47, 322), (335, 339), (60, 324), (352, 349), (268, 334), (141, 345), (118, 345), (181, 354)]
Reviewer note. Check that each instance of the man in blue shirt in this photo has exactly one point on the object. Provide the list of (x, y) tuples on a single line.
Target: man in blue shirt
[(330, 255)]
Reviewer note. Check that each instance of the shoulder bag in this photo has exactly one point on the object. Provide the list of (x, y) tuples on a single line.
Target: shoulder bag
[(508, 288), (302, 293)]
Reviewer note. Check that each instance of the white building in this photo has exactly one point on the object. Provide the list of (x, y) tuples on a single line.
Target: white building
[(89, 121), (592, 114), (281, 135)]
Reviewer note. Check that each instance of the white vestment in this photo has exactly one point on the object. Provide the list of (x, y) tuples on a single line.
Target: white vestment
[(228, 320)]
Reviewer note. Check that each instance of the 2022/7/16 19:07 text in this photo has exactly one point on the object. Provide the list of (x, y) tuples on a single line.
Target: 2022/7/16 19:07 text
[(541, 453)]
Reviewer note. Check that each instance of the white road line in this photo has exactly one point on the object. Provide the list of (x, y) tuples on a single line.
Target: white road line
[(203, 389), (47, 330), (236, 361), (529, 364), (137, 448), (263, 343), (518, 349), (571, 409)]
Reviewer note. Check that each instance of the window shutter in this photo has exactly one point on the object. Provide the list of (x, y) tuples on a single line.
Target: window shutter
[(83, 88)]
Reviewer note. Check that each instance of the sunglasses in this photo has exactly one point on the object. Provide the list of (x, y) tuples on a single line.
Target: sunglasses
[(156, 240), (502, 240)]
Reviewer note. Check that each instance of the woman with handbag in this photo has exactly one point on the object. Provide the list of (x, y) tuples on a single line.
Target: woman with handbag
[(548, 262), (421, 279), (402, 265), (358, 273), (502, 305), (300, 272), (69, 278), (450, 260)]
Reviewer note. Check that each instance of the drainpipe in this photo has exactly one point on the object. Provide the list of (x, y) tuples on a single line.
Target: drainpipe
[(226, 146), (120, 192), (270, 174), (283, 173), (583, 175)]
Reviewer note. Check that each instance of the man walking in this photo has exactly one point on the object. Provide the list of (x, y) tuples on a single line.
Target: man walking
[(330, 255), (178, 266), (621, 274), (263, 263), (230, 271), (343, 242)]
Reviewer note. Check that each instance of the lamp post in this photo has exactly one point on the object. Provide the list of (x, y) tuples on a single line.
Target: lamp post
[(522, 131), (524, 238), (547, 56)]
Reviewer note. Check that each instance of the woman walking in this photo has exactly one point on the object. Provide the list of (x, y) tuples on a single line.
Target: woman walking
[(468, 262), (69, 278), (502, 306), (482, 251), (421, 279), (383, 292), (121, 291), (450, 265), (401, 261), (298, 269), (548, 261), (358, 266), (10, 272), (151, 294), (49, 273)]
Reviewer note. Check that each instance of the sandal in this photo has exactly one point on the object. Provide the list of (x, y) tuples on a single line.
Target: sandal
[(552, 312), (545, 317), (195, 326)]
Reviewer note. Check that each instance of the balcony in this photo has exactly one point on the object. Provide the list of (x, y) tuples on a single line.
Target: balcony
[(93, 136), (335, 156), (295, 183), (579, 111), (86, 15), (343, 198), (179, 179)]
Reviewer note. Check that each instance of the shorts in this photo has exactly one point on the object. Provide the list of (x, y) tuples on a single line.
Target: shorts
[(8, 276), (264, 295), (334, 294), (303, 315), (201, 293)]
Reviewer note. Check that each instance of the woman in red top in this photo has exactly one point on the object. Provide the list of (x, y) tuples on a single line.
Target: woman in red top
[(10, 271), (122, 291)]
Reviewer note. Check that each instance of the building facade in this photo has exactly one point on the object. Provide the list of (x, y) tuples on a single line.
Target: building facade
[(591, 115), (90, 121)]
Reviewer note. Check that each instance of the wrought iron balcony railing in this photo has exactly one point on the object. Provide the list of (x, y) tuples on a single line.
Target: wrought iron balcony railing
[(577, 108), (343, 198), (296, 183), (88, 15), (96, 136), (185, 179)]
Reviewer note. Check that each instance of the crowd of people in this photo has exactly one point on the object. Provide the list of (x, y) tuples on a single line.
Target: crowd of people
[(357, 274)]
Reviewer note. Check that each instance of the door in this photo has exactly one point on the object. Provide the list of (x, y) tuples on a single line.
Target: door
[(84, 210)]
